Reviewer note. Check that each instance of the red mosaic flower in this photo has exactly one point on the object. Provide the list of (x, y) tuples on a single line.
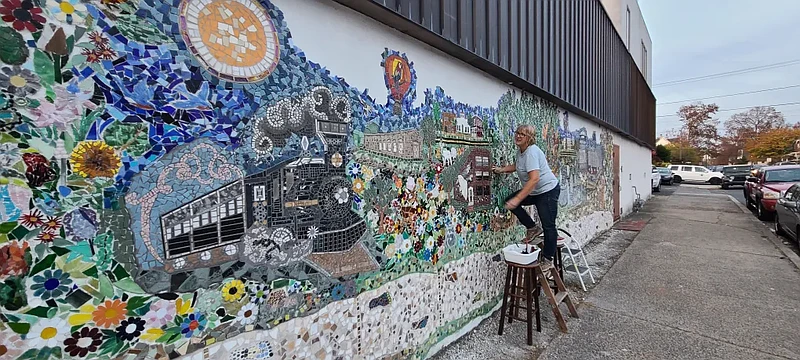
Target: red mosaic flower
[(46, 237), (23, 15), (32, 219), (52, 223), (12, 259), (38, 169), (98, 39)]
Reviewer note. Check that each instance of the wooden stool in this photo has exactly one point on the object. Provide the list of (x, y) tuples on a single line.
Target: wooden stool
[(521, 284), (534, 272)]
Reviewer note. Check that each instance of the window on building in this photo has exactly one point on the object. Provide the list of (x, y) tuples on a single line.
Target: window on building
[(213, 220), (644, 60), (628, 27)]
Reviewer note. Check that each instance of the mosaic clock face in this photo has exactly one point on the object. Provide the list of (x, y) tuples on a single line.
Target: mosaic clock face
[(234, 39)]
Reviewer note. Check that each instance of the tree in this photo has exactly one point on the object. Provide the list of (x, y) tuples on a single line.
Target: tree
[(663, 153), (748, 125), (681, 152), (774, 144), (729, 151), (701, 127)]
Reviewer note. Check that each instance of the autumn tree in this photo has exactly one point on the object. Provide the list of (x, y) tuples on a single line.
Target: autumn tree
[(681, 152), (663, 153), (774, 144), (747, 125), (701, 127)]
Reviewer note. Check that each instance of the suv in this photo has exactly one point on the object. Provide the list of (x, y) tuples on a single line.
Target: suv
[(695, 173), (735, 175)]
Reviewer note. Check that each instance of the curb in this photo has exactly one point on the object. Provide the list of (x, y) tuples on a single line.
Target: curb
[(768, 234)]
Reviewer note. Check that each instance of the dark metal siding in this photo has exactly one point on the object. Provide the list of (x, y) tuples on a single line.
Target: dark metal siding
[(565, 51)]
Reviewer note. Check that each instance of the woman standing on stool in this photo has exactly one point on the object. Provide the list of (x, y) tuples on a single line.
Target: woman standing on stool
[(540, 188)]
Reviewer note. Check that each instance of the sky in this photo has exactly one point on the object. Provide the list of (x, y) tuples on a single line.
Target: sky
[(702, 37)]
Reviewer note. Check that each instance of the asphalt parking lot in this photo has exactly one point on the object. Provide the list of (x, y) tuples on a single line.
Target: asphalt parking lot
[(737, 193)]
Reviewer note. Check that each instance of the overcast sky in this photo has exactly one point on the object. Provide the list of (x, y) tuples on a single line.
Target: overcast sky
[(702, 37)]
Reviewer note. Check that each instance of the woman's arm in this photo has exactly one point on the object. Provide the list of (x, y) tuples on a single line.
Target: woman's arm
[(504, 169), (533, 179)]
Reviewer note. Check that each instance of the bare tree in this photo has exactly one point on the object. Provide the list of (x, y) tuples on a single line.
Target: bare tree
[(748, 125), (701, 127)]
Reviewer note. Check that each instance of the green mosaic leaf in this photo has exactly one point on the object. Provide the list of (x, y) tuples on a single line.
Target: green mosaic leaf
[(44, 264), (44, 67), (19, 232), (6, 227), (105, 286), (42, 311), (129, 286), (129, 137), (13, 51), (139, 29), (20, 328), (136, 302)]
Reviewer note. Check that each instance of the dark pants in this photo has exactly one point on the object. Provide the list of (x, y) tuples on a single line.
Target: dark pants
[(547, 208)]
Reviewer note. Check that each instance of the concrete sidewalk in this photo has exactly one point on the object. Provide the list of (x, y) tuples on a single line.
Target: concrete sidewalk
[(700, 281)]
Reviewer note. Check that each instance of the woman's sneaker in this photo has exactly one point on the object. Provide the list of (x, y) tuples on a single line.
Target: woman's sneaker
[(546, 265), (532, 235)]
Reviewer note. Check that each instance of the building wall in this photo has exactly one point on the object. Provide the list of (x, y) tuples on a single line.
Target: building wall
[(115, 124), (617, 12)]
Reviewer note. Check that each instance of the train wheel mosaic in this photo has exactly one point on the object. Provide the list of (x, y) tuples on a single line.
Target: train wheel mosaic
[(177, 178)]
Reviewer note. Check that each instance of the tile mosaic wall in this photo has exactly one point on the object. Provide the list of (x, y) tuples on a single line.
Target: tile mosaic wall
[(177, 178)]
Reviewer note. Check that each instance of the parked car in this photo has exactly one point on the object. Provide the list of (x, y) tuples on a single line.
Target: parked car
[(655, 180), (666, 176), (735, 175), (766, 189), (754, 174), (787, 213), (695, 173)]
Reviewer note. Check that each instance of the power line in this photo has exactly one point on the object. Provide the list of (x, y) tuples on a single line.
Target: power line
[(742, 108), (730, 73), (729, 95)]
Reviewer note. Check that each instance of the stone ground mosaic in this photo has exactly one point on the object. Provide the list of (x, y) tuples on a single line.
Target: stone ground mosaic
[(177, 178)]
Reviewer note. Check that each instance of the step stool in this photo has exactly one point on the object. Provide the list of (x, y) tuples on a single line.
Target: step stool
[(572, 248), (533, 280)]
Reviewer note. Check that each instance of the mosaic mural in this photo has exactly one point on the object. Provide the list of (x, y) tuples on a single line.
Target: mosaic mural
[(177, 178)]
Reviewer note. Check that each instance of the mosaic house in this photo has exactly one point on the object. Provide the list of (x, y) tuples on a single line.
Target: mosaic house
[(178, 178)]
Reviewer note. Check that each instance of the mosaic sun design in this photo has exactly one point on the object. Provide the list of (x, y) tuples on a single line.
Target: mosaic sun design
[(234, 39)]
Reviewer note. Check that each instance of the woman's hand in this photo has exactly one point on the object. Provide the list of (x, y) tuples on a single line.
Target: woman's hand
[(498, 169), (512, 203)]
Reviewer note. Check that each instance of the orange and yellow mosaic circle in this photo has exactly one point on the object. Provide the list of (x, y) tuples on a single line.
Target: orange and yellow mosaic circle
[(234, 39)]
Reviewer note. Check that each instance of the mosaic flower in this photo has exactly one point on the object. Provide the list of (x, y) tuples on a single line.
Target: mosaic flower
[(130, 328), (92, 159), (183, 307), (53, 223), (354, 169), (46, 237), (312, 232), (81, 224), (22, 15), (390, 250), (12, 259), (358, 186), (19, 81), (33, 219), (51, 284), (161, 312), (194, 322), (337, 293), (233, 290), (341, 195), (426, 255), (259, 293), (47, 332), (38, 169), (110, 313), (9, 154), (83, 316), (368, 174), (66, 10), (84, 341), (69, 104), (11, 345), (247, 314)]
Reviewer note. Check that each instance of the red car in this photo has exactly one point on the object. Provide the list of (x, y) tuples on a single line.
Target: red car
[(764, 189)]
